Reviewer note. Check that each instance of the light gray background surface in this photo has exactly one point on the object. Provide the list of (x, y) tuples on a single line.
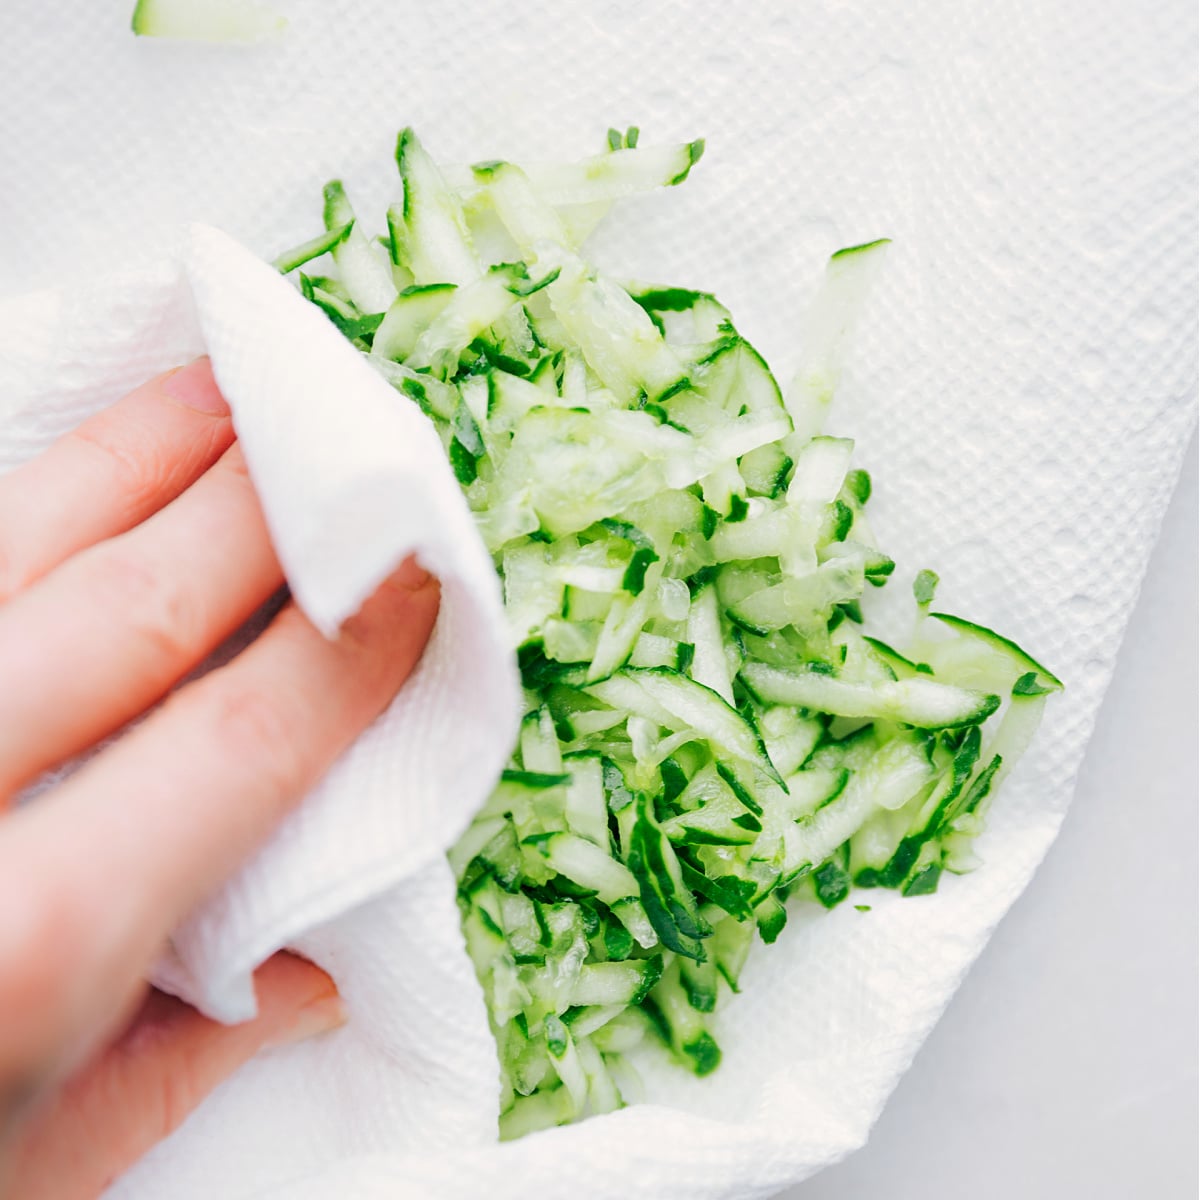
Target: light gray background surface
[(1066, 1065)]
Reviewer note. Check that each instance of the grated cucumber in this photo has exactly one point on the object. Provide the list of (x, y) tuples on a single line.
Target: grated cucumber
[(712, 734)]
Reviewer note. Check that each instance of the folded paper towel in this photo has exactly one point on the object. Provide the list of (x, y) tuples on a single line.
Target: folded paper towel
[(352, 481), (1023, 397)]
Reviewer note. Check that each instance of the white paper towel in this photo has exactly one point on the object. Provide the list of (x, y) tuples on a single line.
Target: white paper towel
[(1023, 392), (352, 480)]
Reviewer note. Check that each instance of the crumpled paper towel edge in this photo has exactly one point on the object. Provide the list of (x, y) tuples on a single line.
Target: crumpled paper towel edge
[(460, 561), (460, 556)]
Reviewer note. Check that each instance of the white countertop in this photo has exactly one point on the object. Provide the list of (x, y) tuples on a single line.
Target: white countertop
[(1066, 1066)]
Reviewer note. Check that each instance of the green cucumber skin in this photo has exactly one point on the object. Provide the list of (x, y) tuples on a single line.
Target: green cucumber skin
[(847, 251), (1006, 644)]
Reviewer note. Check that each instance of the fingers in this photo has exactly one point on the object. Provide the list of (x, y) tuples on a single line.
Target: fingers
[(143, 1087), (204, 780), (94, 875), (106, 634), (113, 471)]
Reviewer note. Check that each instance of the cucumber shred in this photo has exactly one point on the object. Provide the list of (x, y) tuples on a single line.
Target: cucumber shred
[(213, 21), (712, 734)]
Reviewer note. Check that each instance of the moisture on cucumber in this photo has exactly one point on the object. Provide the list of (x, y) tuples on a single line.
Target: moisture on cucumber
[(712, 734)]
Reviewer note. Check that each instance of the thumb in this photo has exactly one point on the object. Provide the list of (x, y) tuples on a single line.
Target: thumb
[(143, 1086)]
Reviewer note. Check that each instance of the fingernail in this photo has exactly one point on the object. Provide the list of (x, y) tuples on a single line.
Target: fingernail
[(410, 575), (318, 1016), (194, 387)]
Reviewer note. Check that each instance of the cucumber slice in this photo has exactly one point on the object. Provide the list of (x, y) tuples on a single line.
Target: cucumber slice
[(678, 703), (616, 336), (362, 267), (804, 602), (813, 788), (829, 329), (709, 666), (890, 778), (722, 821), (978, 655), (289, 260), (682, 1026), (587, 865), (621, 173), (529, 219), (684, 317), (436, 245), (410, 315), (917, 701), (611, 984), (468, 312), (213, 21), (587, 812)]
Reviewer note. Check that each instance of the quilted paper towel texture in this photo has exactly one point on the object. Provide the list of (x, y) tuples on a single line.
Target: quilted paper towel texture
[(1022, 393)]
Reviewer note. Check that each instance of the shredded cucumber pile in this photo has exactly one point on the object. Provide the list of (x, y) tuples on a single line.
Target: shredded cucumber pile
[(710, 732)]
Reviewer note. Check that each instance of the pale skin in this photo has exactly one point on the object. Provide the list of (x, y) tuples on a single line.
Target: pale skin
[(128, 551)]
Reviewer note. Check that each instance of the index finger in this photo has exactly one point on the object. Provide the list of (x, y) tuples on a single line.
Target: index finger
[(111, 473)]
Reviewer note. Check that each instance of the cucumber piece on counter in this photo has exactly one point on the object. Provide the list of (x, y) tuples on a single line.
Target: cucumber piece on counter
[(210, 21)]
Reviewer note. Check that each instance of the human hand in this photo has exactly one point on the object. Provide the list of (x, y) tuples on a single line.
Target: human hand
[(129, 551)]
